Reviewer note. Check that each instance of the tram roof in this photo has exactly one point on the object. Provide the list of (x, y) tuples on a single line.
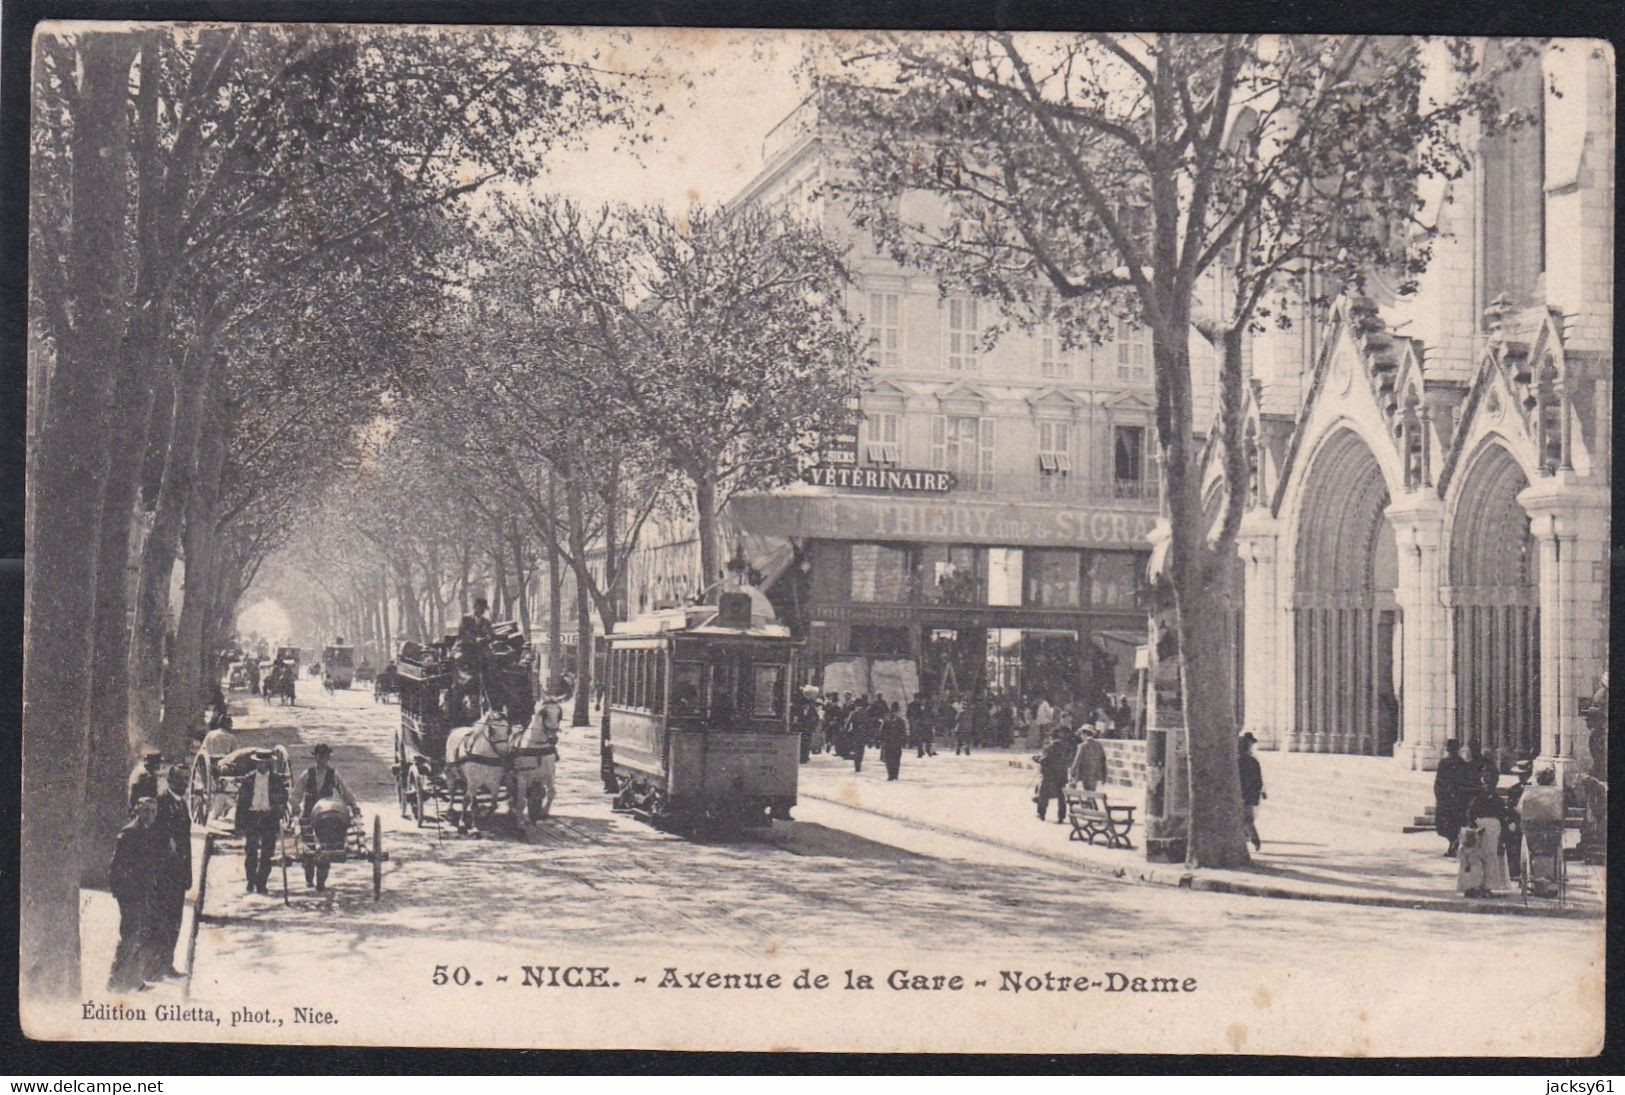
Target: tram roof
[(695, 620)]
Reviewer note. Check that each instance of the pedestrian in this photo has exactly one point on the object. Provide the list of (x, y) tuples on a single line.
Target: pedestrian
[(144, 778), (804, 717), (964, 731), (893, 736), (1052, 766), (220, 741), (1003, 720), (1481, 765), (320, 783), (261, 800), (1452, 790), (1252, 787), (915, 714), (173, 828), (133, 879), (1482, 867), (1088, 762), (1044, 718)]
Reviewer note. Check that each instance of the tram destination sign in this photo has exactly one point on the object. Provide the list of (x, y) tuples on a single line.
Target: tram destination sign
[(890, 480)]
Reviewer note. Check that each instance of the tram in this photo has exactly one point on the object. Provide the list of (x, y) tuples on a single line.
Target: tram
[(699, 715)]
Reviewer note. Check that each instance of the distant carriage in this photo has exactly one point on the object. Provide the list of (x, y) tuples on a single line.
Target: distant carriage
[(386, 686), (338, 665), (461, 710), (699, 715)]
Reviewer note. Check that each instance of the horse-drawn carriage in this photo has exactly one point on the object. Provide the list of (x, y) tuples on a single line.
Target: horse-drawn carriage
[(365, 673), (338, 665), (465, 709), (386, 686), (331, 834)]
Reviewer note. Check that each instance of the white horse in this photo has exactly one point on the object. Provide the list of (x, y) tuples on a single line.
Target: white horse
[(535, 755), (477, 764)]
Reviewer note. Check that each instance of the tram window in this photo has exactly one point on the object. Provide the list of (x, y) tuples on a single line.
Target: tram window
[(767, 699), (657, 701), (687, 688), (638, 698)]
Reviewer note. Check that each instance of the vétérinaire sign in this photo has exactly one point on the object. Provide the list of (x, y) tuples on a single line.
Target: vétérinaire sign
[(901, 480)]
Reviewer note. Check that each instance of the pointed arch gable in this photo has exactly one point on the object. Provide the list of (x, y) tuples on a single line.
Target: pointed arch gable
[(1494, 404), (1357, 364)]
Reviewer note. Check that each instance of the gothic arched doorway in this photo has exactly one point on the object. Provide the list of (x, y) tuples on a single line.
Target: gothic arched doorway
[(1495, 610), (1345, 620)]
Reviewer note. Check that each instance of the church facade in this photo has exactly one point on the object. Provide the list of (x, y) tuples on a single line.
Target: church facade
[(1425, 551)]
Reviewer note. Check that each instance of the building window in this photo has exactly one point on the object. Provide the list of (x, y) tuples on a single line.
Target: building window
[(1054, 360), (964, 446), (952, 575), (1054, 455), (1128, 461), (880, 439), (1004, 569), (964, 334), (880, 573), (1114, 578), (1133, 351), (885, 334), (1052, 578)]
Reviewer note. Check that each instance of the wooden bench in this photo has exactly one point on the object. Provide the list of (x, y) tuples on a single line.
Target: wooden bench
[(1093, 817)]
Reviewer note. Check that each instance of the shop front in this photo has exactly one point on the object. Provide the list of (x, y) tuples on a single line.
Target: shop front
[(966, 619)]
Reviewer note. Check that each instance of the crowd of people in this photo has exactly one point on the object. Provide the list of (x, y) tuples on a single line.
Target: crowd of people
[(1485, 827), (849, 724)]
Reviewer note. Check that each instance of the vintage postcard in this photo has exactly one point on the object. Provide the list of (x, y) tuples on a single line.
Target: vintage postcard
[(594, 538)]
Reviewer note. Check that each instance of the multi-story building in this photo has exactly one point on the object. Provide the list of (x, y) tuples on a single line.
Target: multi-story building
[(986, 523)]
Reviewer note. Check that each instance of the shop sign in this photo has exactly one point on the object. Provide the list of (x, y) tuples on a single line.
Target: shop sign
[(893, 480), (965, 520), (840, 449)]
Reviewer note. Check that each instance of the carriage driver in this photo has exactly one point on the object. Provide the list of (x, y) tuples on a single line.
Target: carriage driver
[(321, 782)]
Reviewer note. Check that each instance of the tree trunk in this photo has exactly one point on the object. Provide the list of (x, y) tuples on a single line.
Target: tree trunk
[(1216, 835), (522, 577), (555, 590), (162, 547), (70, 464), (184, 675), (705, 506), (111, 753), (578, 550)]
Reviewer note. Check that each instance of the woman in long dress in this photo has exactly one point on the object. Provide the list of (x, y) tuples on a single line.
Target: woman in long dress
[(1481, 867)]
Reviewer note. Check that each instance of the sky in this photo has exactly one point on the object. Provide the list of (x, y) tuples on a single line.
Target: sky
[(708, 143)]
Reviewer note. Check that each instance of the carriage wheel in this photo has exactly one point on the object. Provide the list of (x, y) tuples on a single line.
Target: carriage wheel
[(377, 856), (200, 793), (414, 794), (401, 778)]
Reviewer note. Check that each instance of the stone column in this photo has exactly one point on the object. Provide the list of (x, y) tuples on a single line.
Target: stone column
[(1261, 623), (1426, 678), (1568, 517)]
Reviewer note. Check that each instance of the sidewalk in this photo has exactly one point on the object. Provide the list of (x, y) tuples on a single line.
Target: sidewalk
[(988, 797)]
